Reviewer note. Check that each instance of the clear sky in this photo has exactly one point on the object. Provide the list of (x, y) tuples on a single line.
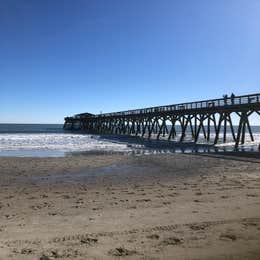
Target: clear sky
[(60, 57)]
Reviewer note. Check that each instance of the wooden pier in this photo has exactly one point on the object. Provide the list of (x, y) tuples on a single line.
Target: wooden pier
[(211, 118)]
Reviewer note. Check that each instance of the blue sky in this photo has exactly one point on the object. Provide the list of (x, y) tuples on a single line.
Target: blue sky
[(60, 57)]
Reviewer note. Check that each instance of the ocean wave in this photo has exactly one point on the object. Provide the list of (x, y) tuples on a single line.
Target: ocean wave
[(61, 142)]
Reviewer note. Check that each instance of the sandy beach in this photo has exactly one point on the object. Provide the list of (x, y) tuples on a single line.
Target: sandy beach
[(175, 206)]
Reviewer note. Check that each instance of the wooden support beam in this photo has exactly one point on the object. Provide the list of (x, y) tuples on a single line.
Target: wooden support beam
[(145, 126), (191, 127), (201, 119), (243, 132), (172, 131), (249, 129), (151, 129), (239, 129), (204, 131), (184, 129), (208, 132), (231, 127), (225, 128), (218, 129), (160, 129)]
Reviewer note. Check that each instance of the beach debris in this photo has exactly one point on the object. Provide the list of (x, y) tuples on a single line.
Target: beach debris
[(121, 251), (153, 236), (172, 241), (26, 251), (55, 253), (97, 208), (249, 224), (143, 200), (228, 236), (89, 240), (198, 226), (251, 195), (62, 253)]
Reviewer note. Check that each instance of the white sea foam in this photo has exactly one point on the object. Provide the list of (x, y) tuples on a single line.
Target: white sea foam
[(248, 142), (58, 142)]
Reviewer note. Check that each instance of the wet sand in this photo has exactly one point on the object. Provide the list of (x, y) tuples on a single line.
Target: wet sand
[(176, 206)]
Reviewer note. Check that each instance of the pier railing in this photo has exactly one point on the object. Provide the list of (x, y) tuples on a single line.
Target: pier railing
[(211, 103)]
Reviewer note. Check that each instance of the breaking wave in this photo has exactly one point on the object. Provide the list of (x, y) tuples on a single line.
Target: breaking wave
[(60, 143)]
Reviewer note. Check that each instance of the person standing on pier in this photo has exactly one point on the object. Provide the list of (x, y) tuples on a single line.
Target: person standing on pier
[(232, 98), (225, 99)]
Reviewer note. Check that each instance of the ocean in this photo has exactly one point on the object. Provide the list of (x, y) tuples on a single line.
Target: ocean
[(50, 140)]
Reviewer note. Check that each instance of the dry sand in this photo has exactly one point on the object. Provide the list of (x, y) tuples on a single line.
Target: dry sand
[(178, 206)]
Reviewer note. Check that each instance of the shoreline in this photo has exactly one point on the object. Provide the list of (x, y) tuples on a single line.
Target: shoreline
[(178, 149), (195, 206)]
